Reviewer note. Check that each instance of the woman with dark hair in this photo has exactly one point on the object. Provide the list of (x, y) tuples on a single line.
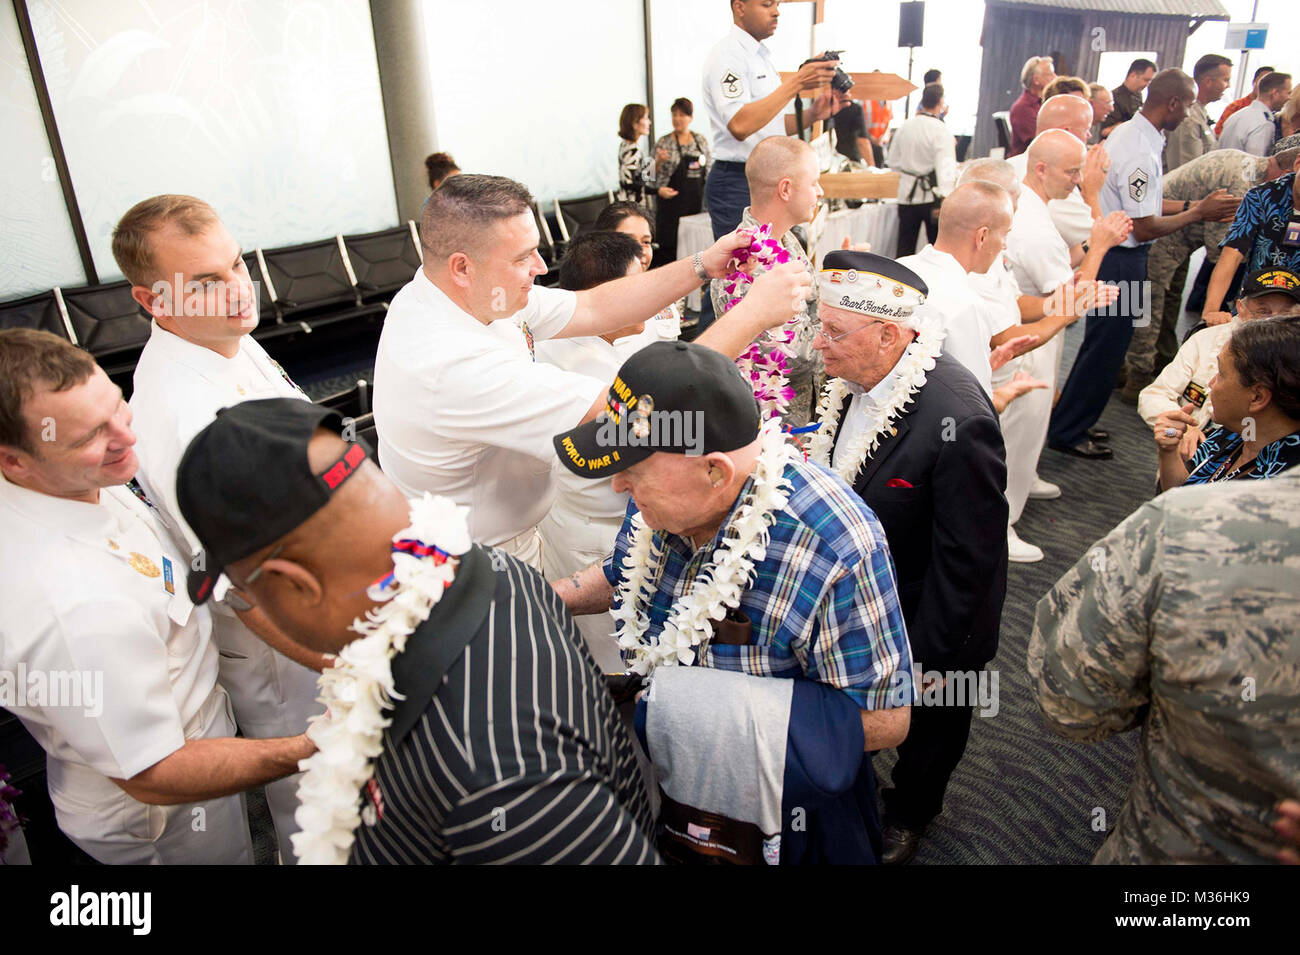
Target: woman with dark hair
[(682, 162), (633, 168), (440, 167), (632, 219), (1256, 398)]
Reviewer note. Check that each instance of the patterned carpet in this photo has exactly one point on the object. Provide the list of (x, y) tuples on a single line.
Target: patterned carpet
[(1021, 794)]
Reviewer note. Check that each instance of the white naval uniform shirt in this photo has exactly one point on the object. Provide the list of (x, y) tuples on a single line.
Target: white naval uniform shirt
[(75, 602), (1072, 215), (999, 293), (923, 143), (179, 388), (1039, 256), (738, 71), (1135, 183), (464, 411), (953, 305)]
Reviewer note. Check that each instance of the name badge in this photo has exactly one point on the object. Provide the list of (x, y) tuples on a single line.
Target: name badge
[(1195, 394), (169, 580), (1292, 236)]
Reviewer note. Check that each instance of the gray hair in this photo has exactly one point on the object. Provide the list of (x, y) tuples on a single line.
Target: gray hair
[(997, 171), (1030, 68), (460, 211)]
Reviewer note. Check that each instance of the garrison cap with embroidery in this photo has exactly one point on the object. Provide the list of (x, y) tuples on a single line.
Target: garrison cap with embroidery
[(869, 284)]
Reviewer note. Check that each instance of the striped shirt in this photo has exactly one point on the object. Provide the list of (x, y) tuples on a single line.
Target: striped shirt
[(823, 603), (519, 754)]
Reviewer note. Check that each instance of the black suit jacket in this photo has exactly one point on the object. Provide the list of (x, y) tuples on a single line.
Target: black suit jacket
[(947, 531)]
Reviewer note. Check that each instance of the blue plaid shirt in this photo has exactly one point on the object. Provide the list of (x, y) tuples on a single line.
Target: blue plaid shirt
[(823, 603)]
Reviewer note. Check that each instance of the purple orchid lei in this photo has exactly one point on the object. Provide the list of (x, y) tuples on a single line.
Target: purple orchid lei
[(9, 820), (766, 369)]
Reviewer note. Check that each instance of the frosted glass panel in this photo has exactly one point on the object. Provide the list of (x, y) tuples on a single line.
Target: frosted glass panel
[(684, 31), (533, 91), (268, 109), (37, 247)]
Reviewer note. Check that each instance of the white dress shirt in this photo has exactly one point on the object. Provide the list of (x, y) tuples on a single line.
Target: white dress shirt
[(1072, 215), (922, 144), (738, 71), (953, 305), (98, 590), (999, 293), (1250, 129), (1135, 183), (464, 411)]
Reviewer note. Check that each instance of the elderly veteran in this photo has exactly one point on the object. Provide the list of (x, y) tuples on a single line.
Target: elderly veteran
[(915, 434), (739, 562), (1186, 379), (440, 743)]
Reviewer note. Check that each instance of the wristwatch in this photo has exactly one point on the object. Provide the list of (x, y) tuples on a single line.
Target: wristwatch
[(697, 260), (1187, 204)]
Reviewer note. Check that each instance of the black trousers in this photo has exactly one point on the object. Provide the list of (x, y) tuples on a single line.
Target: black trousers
[(910, 219), (926, 759)]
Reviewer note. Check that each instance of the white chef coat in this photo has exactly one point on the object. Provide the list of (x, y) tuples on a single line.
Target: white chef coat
[(1250, 129), (464, 411), (74, 602), (179, 388), (1039, 256), (1071, 215), (738, 71), (1135, 182), (953, 305), (587, 514), (1188, 376), (923, 143)]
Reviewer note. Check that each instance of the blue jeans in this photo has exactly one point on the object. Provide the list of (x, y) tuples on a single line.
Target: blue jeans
[(1105, 341)]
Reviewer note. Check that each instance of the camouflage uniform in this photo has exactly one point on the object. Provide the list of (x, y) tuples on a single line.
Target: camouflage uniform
[(806, 370), (1229, 169), (1182, 621)]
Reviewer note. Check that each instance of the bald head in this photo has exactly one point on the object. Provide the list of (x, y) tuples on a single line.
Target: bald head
[(774, 159), (997, 171), (1066, 111), (1054, 163), (1168, 97), (315, 584)]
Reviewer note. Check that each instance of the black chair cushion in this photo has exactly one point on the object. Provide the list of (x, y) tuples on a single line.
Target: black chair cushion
[(106, 319), (382, 261), (309, 277), (40, 312)]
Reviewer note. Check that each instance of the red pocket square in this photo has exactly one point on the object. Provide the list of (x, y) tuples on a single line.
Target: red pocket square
[(898, 482)]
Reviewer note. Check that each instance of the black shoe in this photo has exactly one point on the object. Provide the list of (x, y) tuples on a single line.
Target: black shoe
[(899, 845), (1098, 434), (1085, 449)]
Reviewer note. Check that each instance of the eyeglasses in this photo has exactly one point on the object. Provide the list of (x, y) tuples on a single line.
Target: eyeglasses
[(238, 602), (819, 329)]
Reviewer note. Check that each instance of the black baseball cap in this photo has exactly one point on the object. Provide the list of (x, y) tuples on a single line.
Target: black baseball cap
[(1271, 281), (674, 397), (245, 481)]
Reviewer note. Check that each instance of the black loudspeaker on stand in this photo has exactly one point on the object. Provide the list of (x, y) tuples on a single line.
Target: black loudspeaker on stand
[(911, 32), (911, 24)]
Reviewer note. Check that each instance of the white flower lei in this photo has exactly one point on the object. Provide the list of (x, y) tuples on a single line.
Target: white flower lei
[(359, 688), (720, 583), (904, 380)]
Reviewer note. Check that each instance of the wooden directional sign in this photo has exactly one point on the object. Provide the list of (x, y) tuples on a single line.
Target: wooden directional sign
[(860, 185), (873, 86)]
